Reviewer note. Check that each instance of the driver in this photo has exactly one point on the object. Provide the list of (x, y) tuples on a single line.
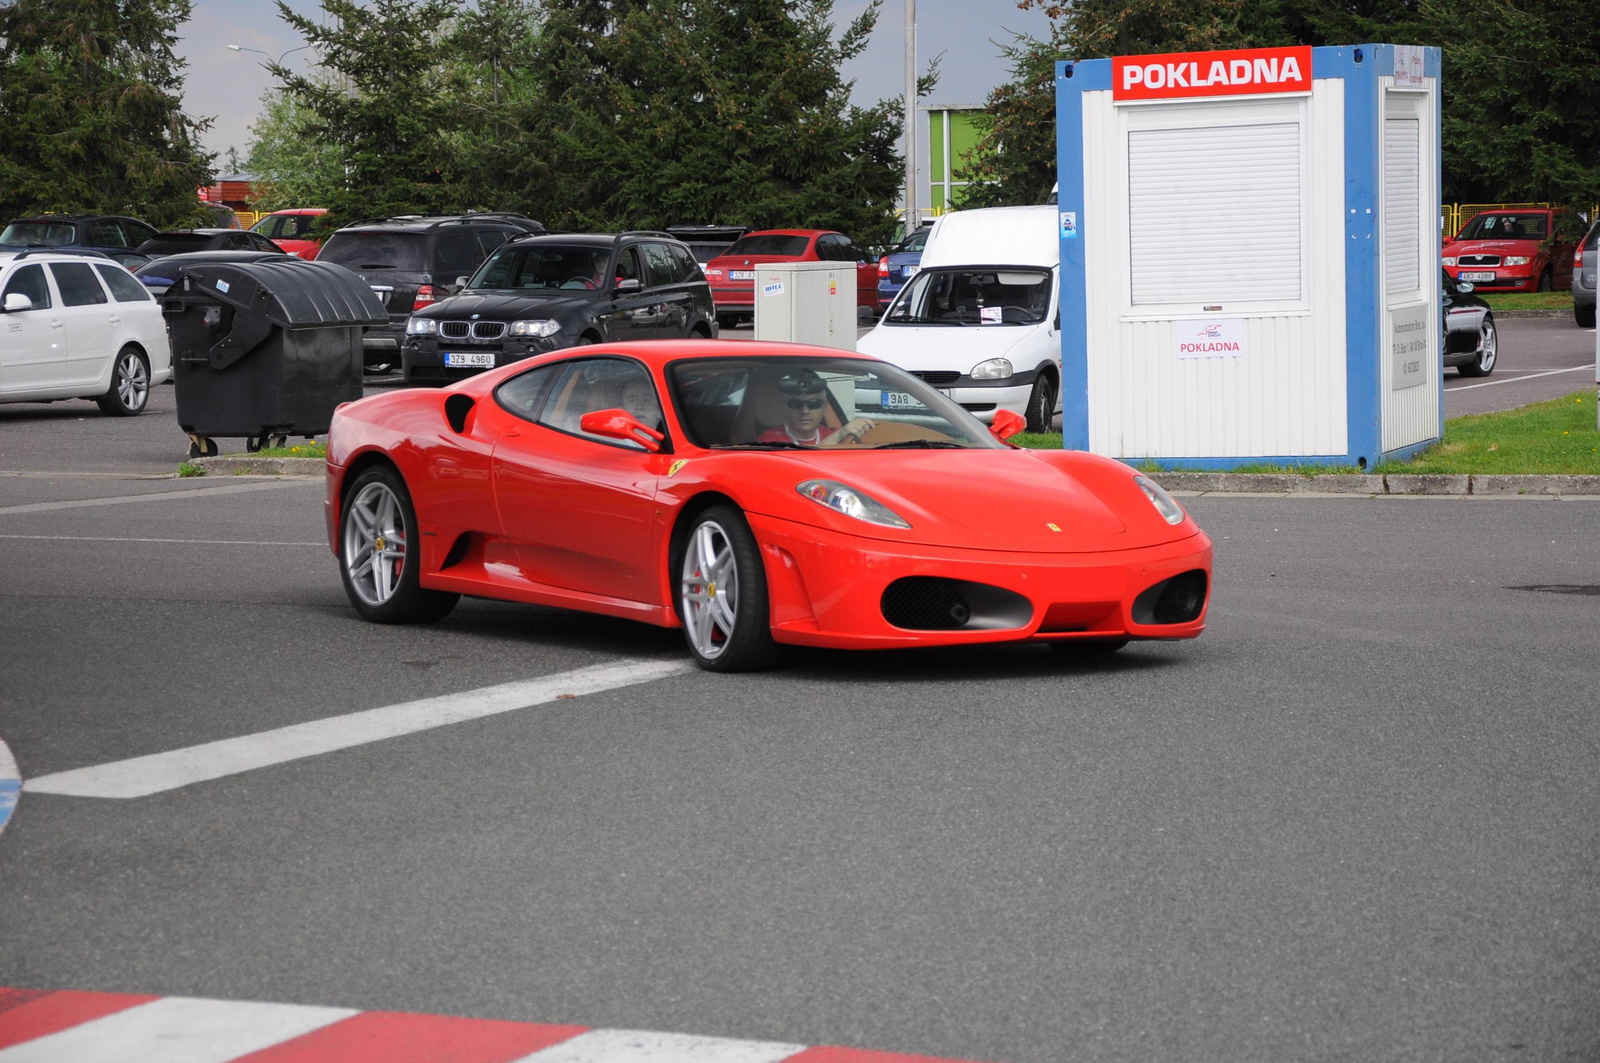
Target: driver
[(805, 397)]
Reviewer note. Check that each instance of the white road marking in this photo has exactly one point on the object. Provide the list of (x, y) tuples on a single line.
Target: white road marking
[(1517, 379), (177, 1030), (158, 772), (190, 542), (644, 1046), (158, 496)]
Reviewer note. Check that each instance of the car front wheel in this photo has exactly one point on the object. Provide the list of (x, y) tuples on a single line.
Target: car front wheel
[(377, 555), (130, 385), (1042, 404), (722, 595), (1488, 350)]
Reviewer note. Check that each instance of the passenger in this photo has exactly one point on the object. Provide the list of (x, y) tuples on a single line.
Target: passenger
[(805, 398), (639, 399)]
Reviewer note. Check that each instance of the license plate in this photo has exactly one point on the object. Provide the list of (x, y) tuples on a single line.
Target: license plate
[(909, 272), (741, 274), (469, 360), (1489, 276), (899, 400)]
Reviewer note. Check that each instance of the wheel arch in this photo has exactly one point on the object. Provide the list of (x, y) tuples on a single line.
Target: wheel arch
[(679, 536)]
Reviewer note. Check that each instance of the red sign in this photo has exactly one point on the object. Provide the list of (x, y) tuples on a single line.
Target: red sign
[(1180, 75)]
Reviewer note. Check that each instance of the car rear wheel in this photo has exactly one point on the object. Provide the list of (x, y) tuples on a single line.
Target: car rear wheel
[(1584, 315), (1488, 350), (1042, 404), (376, 532), (130, 385), (722, 595)]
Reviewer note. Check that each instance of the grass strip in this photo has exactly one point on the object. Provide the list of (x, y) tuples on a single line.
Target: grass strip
[(1527, 300)]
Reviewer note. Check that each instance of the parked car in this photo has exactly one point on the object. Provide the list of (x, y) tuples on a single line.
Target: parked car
[(708, 241), (79, 327), (751, 494), (899, 265), (542, 293), (733, 273), (1585, 260), (414, 261), (183, 240), (111, 234), (293, 230), (159, 275), (1520, 250), (980, 320), (1471, 341), (221, 216)]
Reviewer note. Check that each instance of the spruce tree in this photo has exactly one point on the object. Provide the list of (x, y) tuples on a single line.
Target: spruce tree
[(91, 118)]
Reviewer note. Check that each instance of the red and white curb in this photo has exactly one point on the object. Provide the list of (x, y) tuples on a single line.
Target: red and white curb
[(68, 1026), (10, 783)]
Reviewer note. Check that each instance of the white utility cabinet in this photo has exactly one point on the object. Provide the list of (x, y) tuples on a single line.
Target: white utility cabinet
[(807, 302)]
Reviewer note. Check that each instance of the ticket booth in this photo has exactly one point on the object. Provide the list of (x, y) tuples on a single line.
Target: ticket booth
[(1249, 255)]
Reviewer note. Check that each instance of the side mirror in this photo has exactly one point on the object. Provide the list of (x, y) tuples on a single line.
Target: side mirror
[(630, 284), (620, 424), (1058, 321), (461, 282), (1007, 423), (16, 301)]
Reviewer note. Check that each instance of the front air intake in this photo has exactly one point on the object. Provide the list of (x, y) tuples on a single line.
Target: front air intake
[(1179, 600), (933, 603)]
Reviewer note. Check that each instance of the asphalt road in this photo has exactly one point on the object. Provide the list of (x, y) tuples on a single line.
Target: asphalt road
[(1357, 819), (1539, 358)]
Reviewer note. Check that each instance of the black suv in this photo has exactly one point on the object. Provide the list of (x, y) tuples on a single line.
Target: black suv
[(542, 293), (111, 234), (412, 262)]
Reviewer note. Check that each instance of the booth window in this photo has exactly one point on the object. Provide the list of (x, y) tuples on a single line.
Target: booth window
[(1402, 205), (1216, 215)]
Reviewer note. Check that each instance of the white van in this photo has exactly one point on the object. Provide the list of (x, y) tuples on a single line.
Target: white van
[(980, 320)]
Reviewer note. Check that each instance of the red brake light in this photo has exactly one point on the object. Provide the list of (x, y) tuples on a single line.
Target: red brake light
[(1577, 252), (883, 266), (427, 295)]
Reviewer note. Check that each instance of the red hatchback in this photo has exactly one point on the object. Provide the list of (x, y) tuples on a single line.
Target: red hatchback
[(293, 230), (1521, 250), (733, 273)]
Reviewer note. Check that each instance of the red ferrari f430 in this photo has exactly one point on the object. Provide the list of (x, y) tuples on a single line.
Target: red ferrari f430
[(751, 494)]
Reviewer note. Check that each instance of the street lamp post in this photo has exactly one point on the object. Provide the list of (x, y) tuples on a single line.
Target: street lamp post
[(275, 62), (911, 116)]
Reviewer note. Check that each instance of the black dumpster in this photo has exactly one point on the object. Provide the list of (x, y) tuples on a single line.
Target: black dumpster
[(265, 349)]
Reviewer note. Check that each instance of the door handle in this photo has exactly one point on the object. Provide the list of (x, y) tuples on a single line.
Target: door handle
[(115, 320), (56, 322), (511, 433)]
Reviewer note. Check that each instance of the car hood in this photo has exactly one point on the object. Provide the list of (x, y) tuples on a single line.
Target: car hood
[(921, 348), (1008, 500), (492, 306), (1475, 247)]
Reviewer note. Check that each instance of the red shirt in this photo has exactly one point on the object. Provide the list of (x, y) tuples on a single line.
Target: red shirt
[(781, 434)]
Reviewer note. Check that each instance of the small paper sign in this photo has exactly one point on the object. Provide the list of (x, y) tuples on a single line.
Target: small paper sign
[(1215, 337), (1407, 66), (991, 315), (775, 288), (1069, 225)]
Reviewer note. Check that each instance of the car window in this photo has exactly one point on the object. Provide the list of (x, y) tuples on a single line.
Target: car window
[(77, 284), (849, 252), (39, 234), (658, 266), (769, 244), (683, 258), (978, 297), (1569, 227), (1509, 226), (123, 287), (377, 250), (589, 384), (524, 393), (29, 281), (628, 265), (269, 225), (490, 239), (106, 233), (543, 266), (138, 232), (456, 253), (916, 241), (828, 248)]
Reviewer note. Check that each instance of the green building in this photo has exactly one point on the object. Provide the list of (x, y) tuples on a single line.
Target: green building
[(952, 131)]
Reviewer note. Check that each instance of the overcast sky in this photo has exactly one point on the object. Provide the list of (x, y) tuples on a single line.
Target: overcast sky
[(228, 85)]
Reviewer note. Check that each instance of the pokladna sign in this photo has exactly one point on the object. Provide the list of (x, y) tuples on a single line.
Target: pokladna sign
[(1249, 71)]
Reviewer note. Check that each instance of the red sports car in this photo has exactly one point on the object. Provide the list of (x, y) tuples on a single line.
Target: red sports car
[(752, 494)]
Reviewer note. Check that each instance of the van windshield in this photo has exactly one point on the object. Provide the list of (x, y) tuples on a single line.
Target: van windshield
[(987, 295)]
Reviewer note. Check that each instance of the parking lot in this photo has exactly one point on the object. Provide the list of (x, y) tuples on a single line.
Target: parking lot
[(1356, 819)]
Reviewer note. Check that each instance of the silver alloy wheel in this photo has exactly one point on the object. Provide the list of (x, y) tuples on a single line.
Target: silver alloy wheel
[(1488, 347), (710, 589), (374, 543), (133, 383)]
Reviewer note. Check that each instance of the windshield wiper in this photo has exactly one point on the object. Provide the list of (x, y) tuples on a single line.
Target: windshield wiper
[(922, 444), (782, 444), (376, 265)]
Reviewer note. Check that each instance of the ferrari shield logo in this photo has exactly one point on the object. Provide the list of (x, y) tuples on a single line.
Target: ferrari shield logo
[(673, 471), (1053, 527)]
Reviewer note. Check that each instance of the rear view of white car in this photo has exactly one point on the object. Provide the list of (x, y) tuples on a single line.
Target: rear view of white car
[(980, 320), (79, 327)]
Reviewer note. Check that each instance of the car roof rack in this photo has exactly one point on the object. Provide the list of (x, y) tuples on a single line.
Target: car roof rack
[(80, 252), (657, 233)]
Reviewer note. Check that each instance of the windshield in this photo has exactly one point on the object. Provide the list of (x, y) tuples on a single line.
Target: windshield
[(964, 296), (804, 402), (1506, 227), (38, 234), (917, 241), (172, 243), (769, 244), (543, 266), (358, 251)]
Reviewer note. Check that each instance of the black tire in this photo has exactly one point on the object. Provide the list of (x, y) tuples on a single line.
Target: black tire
[(1042, 404), (1584, 315), (1089, 647), (130, 385), (1488, 350), (406, 601), (749, 645), (726, 321), (381, 369), (1546, 280)]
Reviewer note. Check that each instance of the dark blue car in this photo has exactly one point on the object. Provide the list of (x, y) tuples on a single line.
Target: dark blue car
[(900, 265)]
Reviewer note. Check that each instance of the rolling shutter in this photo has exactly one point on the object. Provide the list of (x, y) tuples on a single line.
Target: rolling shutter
[(1192, 192), (1402, 205)]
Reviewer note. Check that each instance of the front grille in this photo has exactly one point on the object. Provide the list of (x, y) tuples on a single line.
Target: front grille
[(1478, 260), (933, 603), (938, 379), (472, 330)]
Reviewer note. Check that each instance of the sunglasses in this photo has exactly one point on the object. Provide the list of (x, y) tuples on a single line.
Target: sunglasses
[(806, 404)]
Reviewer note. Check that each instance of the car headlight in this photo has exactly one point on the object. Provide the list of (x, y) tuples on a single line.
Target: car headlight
[(852, 503), (1169, 509), (539, 328), (1517, 260), (993, 369), (1447, 260), (422, 326)]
